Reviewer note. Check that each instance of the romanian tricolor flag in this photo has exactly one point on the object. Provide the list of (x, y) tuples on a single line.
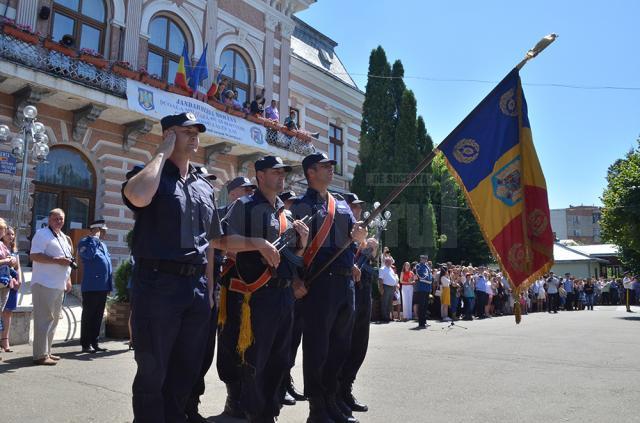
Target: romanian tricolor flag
[(182, 75), (492, 156)]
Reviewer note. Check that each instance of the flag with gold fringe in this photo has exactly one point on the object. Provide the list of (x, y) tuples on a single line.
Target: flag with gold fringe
[(491, 155)]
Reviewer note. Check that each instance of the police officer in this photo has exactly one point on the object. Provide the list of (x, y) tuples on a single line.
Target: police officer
[(175, 218), (365, 256), (328, 308), (423, 289), (213, 264), (267, 310), (228, 361), (97, 282)]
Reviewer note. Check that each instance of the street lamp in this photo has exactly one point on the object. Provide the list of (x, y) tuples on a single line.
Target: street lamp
[(31, 139), (379, 223)]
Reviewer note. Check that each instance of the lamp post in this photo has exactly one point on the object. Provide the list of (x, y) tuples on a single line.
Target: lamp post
[(30, 142), (379, 224)]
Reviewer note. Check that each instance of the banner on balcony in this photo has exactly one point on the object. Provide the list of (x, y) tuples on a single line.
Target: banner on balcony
[(156, 103)]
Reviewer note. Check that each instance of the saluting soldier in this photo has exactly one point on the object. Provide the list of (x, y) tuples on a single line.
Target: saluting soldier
[(328, 307), (267, 309), (364, 256), (175, 218), (228, 361)]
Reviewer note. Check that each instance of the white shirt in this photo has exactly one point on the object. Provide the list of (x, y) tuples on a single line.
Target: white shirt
[(444, 281), (50, 275), (627, 282), (388, 276)]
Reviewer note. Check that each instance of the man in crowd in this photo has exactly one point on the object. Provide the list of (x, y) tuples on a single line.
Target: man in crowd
[(388, 285), (481, 293), (567, 284), (553, 295), (97, 283), (627, 282), (51, 253), (271, 112)]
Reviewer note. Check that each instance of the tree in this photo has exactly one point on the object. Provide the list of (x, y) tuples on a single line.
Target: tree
[(620, 220)]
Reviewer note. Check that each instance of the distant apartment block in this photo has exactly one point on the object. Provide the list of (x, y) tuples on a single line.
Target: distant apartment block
[(579, 223)]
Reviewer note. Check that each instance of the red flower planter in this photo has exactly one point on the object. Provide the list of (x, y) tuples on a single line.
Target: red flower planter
[(98, 62), (157, 83), (125, 72), (21, 35), (52, 45)]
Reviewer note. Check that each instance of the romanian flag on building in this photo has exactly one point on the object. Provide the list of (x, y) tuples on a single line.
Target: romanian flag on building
[(184, 69), (492, 156)]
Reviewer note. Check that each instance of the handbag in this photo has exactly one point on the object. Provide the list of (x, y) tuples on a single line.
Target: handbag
[(438, 292)]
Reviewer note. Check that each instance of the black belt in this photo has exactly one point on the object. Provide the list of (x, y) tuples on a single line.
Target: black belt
[(278, 283), (172, 267)]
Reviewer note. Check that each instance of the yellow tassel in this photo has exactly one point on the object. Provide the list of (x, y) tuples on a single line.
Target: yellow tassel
[(222, 310), (245, 338), (517, 312)]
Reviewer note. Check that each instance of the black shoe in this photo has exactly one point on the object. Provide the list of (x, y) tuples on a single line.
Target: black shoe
[(351, 401), (342, 405), (88, 350), (297, 395), (288, 399), (196, 418), (318, 411), (335, 413), (232, 404), (99, 348)]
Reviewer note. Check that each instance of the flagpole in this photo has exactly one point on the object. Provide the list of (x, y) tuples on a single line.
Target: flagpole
[(537, 49)]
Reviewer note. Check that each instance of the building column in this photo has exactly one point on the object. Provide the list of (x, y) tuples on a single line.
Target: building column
[(210, 36), (132, 33), (270, 22), (286, 29), (27, 13)]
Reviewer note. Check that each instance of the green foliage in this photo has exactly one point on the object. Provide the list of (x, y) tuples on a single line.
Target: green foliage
[(121, 280), (620, 222)]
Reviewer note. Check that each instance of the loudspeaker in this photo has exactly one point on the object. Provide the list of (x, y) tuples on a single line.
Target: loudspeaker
[(45, 12)]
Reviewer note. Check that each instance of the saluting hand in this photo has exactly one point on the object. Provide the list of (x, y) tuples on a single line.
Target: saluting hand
[(359, 232), (168, 143), (270, 254), (303, 232)]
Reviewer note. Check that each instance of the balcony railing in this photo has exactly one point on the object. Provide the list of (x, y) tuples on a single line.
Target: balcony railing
[(61, 62)]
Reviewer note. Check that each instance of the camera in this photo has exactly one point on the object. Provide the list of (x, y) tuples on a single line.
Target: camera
[(73, 264)]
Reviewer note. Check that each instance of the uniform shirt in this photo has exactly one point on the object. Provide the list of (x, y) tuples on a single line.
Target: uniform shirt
[(50, 275), (627, 282), (97, 272), (365, 262), (253, 216), (180, 220), (312, 204)]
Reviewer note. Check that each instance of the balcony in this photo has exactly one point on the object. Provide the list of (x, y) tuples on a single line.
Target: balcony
[(42, 55)]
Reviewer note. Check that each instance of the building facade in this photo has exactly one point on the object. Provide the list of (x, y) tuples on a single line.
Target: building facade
[(100, 73), (578, 223)]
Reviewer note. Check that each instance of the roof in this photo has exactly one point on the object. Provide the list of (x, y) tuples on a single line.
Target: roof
[(597, 250), (562, 253), (318, 50)]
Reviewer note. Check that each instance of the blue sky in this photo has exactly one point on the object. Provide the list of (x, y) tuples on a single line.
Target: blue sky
[(578, 133)]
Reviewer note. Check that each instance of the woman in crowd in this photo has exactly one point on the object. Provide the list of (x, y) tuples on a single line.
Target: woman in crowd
[(456, 282), (490, 291), (468, 287), (445, 294), (589, 293), (407, 280), (542, 296), (9, 240)]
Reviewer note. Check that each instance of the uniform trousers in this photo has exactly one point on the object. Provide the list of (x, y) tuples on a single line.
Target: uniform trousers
[(47, 303), (296, 333), (328, 313), (267, 359), (209, 350), (93, 303), (360, 336), (170, 322), (228, 360)]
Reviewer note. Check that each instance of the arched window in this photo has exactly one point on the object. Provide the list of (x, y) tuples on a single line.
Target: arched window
[(237, 72), (66, 180), (165, 48), (84, 20)]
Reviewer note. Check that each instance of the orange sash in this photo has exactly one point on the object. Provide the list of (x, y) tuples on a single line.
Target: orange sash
[(322, 234), (238, 285)]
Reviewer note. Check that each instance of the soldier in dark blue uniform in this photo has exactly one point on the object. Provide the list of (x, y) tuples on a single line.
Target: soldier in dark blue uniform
[(228, 361), (97, 283), (328, 307), (365, 256), (175, 218), (267, 309)]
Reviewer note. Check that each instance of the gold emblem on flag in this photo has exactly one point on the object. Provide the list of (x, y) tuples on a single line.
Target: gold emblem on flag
[(537, 222), (519, 258), (466, 150), (508, 104)]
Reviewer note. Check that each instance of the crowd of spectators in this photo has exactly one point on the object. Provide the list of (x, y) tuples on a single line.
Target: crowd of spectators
[(478, 292)]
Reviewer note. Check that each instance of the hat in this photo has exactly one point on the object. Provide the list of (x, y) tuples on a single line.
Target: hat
[(240, 181), (100, 224), (314, 158), (271, 162), (183, 119), (352, 198), (287, 195), (205, 174)]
